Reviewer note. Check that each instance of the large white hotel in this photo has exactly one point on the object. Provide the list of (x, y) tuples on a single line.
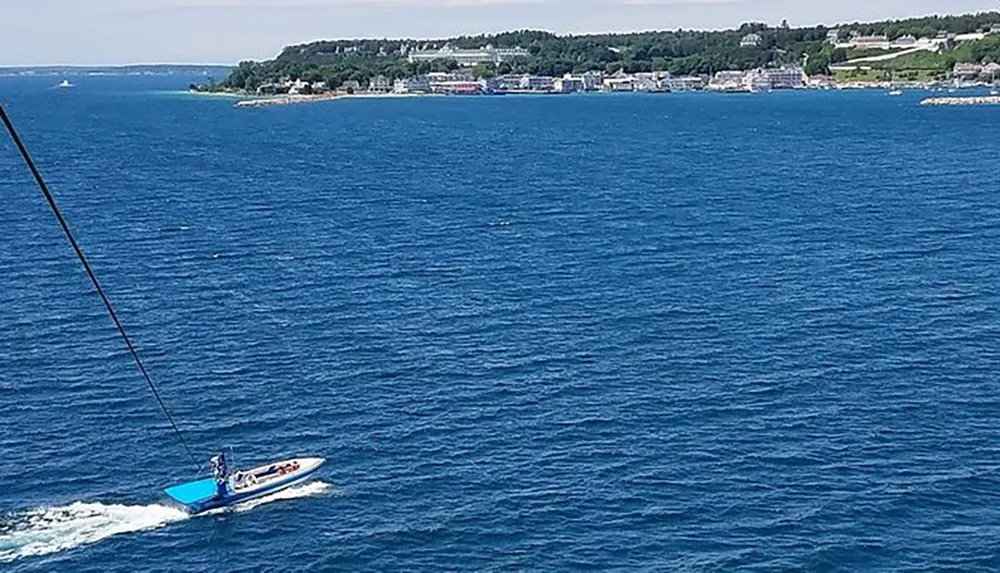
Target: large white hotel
[(484, 55)]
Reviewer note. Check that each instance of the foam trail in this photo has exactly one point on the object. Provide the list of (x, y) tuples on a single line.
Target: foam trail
[(51, 529), (304, 490)]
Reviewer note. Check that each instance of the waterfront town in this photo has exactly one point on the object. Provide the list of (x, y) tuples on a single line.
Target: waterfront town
[(467, 77)]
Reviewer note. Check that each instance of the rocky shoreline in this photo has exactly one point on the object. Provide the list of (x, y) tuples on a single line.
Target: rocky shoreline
[(287, 100), (247, 100), (959, 101), (295, 99)]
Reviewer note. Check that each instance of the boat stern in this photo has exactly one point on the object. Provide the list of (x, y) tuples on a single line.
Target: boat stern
[(193, 495)]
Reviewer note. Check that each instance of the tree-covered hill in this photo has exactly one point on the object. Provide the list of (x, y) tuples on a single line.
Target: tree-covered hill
[(680, 52)]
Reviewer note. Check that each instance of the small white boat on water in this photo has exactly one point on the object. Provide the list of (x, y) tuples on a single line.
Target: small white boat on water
[(896, 92), (227, 489), (66, 84)]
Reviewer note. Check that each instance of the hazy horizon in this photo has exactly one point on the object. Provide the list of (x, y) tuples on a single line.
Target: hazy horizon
[(223, 32)]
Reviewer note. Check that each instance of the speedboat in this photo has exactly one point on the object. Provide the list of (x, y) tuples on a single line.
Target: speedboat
[(65, 84), (206, 494)]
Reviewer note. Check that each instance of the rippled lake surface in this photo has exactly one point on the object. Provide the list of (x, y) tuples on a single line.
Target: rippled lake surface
[(680, 332)]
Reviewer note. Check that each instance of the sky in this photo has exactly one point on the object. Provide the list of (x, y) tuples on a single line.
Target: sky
[(100, 32)]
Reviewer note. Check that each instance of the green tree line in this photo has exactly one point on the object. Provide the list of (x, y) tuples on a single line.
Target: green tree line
[(680, 52)]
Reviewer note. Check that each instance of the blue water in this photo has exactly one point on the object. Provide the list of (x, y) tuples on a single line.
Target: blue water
[(681, 332)]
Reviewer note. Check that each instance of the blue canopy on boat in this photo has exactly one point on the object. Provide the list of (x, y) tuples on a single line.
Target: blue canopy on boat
[(193, 491)]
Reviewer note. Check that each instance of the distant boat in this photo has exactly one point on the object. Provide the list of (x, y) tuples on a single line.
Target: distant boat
[(896, 92), (66, 84)]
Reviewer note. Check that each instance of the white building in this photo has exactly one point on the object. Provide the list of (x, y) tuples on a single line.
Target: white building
[(821, 82), (272, 89), (569, 84), (872, 42), (944, 38), (455, 76), (904, 42), (991, 72), (459, 81), (757, 81), (833, 36), (751, 40), (646, 82), (969, 37), (299, 86), (508, 54), (682, 84), (380, 84), (457, 87), (537, 83), (484, 55), (729, 80), (509, 82), (592, 81), (414, 85), (786, 77), (967, 71), (618, 84), (350, 86), (867, 42)]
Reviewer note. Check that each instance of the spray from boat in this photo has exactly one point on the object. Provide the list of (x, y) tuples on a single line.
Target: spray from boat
[(53, 529), (304, 490), (50, 530)]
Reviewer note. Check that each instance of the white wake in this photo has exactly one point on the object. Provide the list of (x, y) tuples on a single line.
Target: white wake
[(52, 529), (304, 490)]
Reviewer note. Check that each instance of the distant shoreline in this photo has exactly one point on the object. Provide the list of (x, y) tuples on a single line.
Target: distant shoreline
[(214, 94), (266, 101), (244, 100)]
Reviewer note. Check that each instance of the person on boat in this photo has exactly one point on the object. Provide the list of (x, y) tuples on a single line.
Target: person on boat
[(221, 473)]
